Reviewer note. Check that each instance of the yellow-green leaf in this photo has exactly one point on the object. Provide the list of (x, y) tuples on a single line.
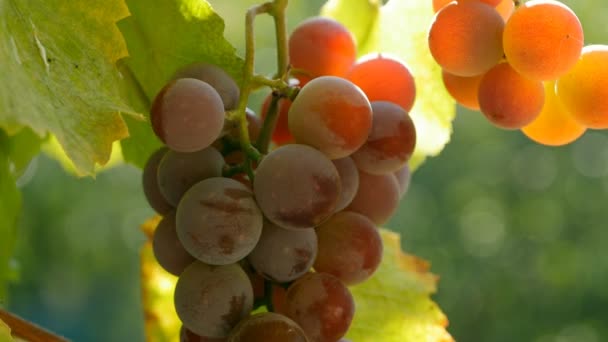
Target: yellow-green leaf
[(59, 74), (161, 39), (395, 304), (5, 332), (400, 28)]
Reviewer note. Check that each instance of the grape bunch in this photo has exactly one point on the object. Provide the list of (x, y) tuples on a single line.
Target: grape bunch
[(293, 229), (524, 66)]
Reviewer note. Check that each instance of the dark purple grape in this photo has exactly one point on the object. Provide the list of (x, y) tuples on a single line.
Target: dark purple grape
[(284, 255), (211, 300), (350, 247), (218, 221), (349, 181), (296, 186), (187, 115), (391, 141), (215, 77), (267, 327), (377, 197), (167, 248), (179, 171), (322, 305), (150, 183)]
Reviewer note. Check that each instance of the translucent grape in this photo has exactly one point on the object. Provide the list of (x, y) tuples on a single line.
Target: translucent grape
[(350, 247), (284, 255), (466, 38), (390, 143), (322, 46), (439, 4), (187, 115), (296, 186), (543, 39), (321, 305), (508, 99), (384, 78), (331, 114), (377, 197), (211, 300), (403, 176), (463, 89), (216, 77), (349, 181), (218, 221), (554, 126), (179, 171), (267, 327), (281, 134), (584, 89), (150, 183), (167, 248)]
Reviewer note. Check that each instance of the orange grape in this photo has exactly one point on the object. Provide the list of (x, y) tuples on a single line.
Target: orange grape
[(439, 4), (543, 39), (554, 126), (463, 89), (505, 8), (508, 99), (322, 46), (384, 78), (584, 89), (465, 39)]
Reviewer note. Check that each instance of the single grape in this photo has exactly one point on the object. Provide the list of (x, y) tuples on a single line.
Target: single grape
[(257, 281), (331, 114), (267, 327), (281, 134), (465, 39), (350, 247), (322, 46), (254, 126), (186, 335), (167, 248), (508, 99), (218, 221), (403, 176), (543, 39), (439, 4), (187, 115), (554, 126), (505, 8), (584, 89), (463, 89), (179, 171), (321, 305), (377, 197), (216, 77), (150, 183), (211, 300), (279, 299), (384, 78), (390, 143), (349, 181), (284, 255), (296, 186)]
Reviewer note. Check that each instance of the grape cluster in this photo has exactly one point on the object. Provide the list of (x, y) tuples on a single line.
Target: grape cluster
[(524, 67), (302, 226)]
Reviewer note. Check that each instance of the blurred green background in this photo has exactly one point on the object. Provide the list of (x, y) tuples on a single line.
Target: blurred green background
[(516, 231)]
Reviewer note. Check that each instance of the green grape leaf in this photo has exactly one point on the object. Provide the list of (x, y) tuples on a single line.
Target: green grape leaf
[(5, 332), (10, 207), (59, 74), (400, 28), (395, 305), (162, 39)]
